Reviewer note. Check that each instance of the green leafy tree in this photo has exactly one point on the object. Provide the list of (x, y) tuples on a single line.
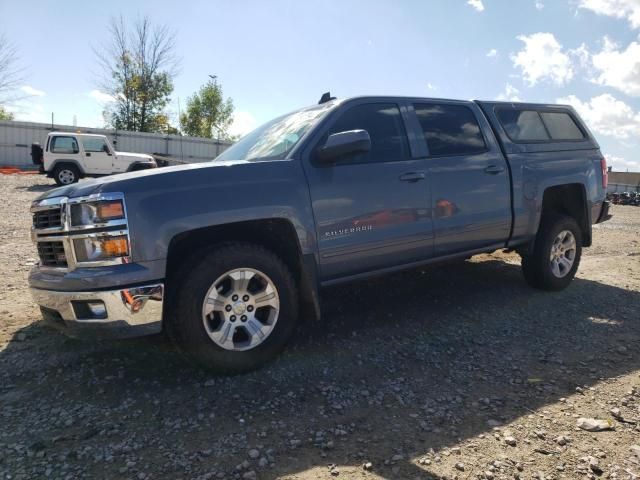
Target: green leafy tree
[(4, 114), (208, 113), (138, 66)]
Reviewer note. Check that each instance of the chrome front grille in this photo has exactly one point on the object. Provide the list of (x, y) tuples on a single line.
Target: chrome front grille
[(52, 254), (51, 218)]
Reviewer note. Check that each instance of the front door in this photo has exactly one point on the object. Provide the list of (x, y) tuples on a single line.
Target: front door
[(471, 197), (97, 156), (371, 209)]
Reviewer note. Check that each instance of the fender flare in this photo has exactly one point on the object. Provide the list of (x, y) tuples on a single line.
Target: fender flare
[(145, 166), (71, 161), (585, 206)]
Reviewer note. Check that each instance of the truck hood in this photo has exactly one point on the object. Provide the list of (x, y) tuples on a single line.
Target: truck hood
[(137, 156), (166, 178)]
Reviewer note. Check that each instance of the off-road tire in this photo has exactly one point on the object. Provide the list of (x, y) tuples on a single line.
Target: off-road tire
[(60, 170), (190, 284), (536, 266)]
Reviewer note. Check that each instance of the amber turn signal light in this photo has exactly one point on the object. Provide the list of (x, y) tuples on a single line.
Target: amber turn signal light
[(110, 210)]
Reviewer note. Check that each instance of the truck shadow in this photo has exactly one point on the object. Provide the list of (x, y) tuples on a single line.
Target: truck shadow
[(37, 188), (399, 365)]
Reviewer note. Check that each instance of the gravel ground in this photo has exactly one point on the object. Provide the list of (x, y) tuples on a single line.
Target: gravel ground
[(456, 371)]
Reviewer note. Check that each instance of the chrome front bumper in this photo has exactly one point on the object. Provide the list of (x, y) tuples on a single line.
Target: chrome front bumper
[(129, 312)]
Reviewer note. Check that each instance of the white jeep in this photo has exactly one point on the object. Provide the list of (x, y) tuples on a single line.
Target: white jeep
[(67, 157)]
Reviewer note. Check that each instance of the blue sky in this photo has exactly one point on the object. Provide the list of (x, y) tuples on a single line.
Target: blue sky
[(274, 56)]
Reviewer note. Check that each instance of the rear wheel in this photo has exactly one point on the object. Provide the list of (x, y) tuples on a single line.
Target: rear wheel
[(556, 255), (234, 308), (66, 174)]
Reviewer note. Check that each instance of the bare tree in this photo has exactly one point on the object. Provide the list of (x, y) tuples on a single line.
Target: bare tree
[(10, 75), (138, 66)]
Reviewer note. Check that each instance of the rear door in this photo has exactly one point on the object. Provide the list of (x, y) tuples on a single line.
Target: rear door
[(371, 209), (97, 156), (470, 178)]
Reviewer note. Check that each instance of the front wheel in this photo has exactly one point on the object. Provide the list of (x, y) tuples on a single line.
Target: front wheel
[(556, 255), (66, 174), (234, 307)]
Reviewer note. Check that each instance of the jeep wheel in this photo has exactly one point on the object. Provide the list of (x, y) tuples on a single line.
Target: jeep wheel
[(66, 174), (234, 308), (556, 255)]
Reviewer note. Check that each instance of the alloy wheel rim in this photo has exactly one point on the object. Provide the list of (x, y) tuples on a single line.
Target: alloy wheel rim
[(563, 254), (66, 177), (241, 309)]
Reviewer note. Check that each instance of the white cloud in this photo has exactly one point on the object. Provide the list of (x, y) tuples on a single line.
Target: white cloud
[(629, 9), (619, 69), (620, 164), (542, 58), (477, 4), (432, 87), (27, 111), (607, 115), (101, 97), (539, 5), (33, 92), (243, 123), (510, 94), (492, 53), (581, 55)]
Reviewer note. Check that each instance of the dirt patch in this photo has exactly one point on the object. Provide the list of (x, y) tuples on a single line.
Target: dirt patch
[(456, 371)]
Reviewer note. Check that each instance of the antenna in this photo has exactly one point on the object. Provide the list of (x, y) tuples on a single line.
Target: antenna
[(326, 97)]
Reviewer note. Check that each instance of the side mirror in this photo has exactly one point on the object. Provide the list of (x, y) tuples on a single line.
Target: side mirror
[(344, 143)]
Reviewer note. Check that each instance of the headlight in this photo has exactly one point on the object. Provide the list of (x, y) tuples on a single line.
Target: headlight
[(95, 249), (92, 213)]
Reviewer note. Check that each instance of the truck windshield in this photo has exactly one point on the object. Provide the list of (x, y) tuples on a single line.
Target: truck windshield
[(275, 139)]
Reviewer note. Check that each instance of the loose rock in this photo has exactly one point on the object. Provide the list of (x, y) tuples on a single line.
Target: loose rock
[(594, 425)]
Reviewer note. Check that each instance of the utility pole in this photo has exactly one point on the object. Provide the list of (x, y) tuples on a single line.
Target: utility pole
[(215, 83), (181, 151)]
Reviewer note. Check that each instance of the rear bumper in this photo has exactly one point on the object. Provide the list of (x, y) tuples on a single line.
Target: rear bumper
[(128, 312), (604, 212)]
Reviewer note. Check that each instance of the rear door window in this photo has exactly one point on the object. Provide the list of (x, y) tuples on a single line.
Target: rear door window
[(523, 125), (450, 129), (386, 130), (64, 145), (561, 126)]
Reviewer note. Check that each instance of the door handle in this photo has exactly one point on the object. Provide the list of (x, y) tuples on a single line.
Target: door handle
[(494, 169), (88, 154), (412, 177)]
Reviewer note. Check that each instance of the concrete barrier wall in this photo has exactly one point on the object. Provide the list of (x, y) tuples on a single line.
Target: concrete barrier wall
[(16, 139)]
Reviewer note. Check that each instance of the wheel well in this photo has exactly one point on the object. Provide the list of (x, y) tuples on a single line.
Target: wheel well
[(67, 163), (277, 235), (569, 200), (137, 166)]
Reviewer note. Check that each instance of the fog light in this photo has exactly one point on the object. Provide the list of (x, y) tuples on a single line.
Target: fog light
[(89, 309)]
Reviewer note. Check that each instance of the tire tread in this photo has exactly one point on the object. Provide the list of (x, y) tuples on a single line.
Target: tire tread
[(535, 266)]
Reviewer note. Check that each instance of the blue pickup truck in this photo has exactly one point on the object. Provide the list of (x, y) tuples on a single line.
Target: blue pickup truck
[(226, 256)]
